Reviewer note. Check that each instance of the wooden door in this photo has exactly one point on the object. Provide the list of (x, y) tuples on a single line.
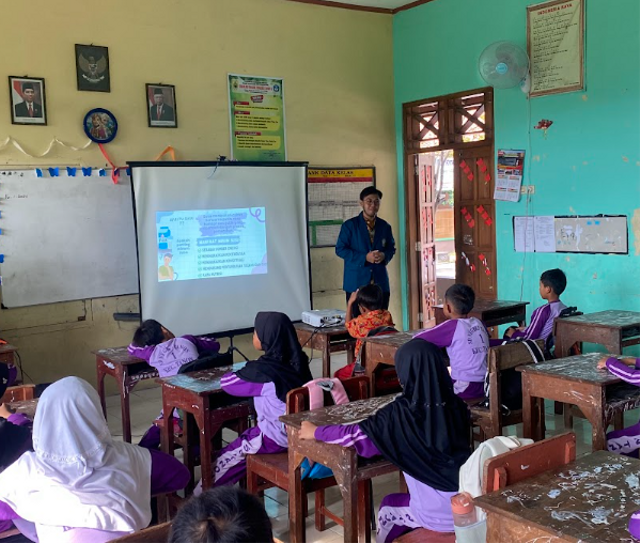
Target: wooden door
[(474, 216)]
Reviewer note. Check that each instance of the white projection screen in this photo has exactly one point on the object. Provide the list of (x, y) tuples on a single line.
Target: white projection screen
[(219, 242)]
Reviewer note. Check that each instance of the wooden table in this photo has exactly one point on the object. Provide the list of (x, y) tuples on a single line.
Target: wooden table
[(493, 312), (26, 407), (378, 350), (330, 339), (614, 329), (589, 500), (128, 371), (350, 471), (200, 395), (577, 381)]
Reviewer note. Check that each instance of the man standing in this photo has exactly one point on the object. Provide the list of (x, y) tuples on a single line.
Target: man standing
[(366, 245), (28, 108), (159, 110)]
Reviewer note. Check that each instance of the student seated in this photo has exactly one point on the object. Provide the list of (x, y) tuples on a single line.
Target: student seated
[(79, 484), (425, 432), (552, 285), (370, 301), (167, 353), (222, 515), (466, 340), (283, 367)]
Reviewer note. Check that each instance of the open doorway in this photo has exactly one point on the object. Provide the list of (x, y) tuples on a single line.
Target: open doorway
[(450, 213)]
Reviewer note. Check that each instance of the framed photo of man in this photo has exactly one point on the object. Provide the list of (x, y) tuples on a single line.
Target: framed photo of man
[(92, 68), (161, 105), (28, 104)]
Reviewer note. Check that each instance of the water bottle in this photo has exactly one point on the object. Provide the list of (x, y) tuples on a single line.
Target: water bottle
[(466, 525)]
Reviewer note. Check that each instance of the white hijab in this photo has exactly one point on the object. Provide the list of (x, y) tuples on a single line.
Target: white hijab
[(78, 477)]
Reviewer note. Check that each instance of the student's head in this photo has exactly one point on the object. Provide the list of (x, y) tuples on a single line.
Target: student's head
[(167, 259), (370, 298), (28, 92), (275, 335), (458, 300), (222, 515), (370, 201), (151, 332), (14, 440), (552, 283)]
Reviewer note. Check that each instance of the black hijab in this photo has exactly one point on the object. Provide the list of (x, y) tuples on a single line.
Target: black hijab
[(425, 431), (283, 363)]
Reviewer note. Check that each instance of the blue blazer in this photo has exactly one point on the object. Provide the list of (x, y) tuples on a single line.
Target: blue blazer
[(353, 245)]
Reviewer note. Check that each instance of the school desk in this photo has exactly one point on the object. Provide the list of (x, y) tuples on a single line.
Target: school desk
[(7, 354), (614, 329), (382, 349), (26, 407), (128, 371), (589, 500), (330, 339), (493, 312), (200, 395), (351, 472), (601, 396)]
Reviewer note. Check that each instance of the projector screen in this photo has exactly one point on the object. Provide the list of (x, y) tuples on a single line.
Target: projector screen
[(219, 242)]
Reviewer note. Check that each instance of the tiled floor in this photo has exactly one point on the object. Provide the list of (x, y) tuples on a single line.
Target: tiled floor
[(146, 404)]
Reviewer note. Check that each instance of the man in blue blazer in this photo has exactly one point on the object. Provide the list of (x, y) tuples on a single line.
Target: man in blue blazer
[(366, 245)]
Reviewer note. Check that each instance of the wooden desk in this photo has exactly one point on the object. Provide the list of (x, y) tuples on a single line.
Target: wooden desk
[(26, 407), (493, 312), (128, 372), (577, 381), (382, 349), (614, 329), (7, 354), (332, 339), (350, 472), (200, 395), (580, 501)]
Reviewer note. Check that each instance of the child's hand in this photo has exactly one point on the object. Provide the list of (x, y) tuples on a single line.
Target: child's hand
[(602, 363), (307, 431), (509, 331), (352, 298), (5, 412)]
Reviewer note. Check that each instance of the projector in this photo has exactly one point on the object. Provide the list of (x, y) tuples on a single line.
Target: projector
[(323, 317)]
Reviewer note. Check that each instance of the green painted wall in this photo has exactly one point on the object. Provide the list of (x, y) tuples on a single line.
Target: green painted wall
[(588, 164)]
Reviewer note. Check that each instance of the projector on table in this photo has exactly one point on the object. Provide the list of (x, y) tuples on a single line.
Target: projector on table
[(323, 317)]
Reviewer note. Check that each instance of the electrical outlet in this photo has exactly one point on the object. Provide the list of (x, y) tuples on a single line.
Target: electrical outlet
[(528, 189)]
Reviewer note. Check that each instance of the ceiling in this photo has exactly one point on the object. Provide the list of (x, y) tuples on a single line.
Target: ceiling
[(383, 6)]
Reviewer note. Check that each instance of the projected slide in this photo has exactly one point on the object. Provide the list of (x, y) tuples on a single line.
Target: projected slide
[(206, 243)]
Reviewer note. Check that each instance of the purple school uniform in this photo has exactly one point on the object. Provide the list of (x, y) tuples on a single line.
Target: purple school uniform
[(168, 475), (423, 507), (541, 325), (627, 440), (268, 437), (169, 356), (467, 344)]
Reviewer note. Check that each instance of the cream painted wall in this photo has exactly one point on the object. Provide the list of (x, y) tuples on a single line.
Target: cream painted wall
[(337, 66)]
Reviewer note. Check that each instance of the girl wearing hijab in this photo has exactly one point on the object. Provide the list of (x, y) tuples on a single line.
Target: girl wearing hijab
[(79, 485), (425, 432), (283, 367)]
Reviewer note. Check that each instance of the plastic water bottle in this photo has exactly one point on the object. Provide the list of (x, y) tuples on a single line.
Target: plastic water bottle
[(465, 521)]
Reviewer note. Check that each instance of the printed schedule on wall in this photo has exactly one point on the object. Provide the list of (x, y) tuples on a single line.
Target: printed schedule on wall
[(334, 197)]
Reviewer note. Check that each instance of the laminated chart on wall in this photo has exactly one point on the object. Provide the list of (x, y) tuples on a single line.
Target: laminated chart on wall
[(334, 197), (596, 234)]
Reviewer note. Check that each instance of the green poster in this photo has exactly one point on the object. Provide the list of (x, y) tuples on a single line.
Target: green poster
[(256, 108)]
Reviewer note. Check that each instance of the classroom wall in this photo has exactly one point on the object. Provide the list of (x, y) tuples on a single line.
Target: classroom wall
[(337, 67), (588, 164)]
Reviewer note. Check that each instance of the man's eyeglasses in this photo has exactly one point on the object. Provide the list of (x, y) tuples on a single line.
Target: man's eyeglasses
[(371, 201)]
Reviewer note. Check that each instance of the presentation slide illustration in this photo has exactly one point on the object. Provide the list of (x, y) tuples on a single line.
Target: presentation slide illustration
[(206, 243)]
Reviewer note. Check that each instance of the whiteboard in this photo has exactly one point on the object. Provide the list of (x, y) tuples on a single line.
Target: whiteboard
[(596, 234), (65, 238)]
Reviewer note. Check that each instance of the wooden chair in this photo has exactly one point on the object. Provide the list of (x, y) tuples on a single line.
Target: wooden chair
[(18, 394), (524, 462), (153, 534), (492, 420), (269, 470)]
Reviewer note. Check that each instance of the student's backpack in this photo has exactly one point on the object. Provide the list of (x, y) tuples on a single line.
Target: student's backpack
[(511, 380), (317, 389)]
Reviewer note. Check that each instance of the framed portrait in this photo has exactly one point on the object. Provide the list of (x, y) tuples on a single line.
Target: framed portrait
[(92, 68), (28, 105), (161, 105)]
